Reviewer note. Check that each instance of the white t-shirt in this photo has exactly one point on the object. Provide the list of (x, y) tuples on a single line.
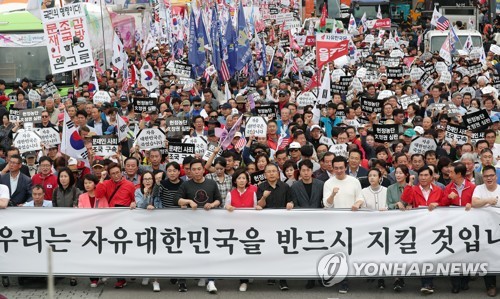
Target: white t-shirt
[(483, 193), (349, 192)]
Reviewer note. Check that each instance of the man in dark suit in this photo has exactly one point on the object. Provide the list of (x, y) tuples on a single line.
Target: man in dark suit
[(354, 168), (4, 167), (18, 183), (97, 122), (307, 193)]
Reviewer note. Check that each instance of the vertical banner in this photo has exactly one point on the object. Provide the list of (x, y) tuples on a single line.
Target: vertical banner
[(68, 42), (330, 46)]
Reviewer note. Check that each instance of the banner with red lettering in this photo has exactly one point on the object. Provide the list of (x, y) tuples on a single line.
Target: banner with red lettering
[(330, 46)]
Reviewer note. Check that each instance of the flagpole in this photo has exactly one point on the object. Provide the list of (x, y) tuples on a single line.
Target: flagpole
[(103, 35)]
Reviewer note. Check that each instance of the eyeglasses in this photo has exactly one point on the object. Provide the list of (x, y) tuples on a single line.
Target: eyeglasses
[(45, 116), (197, 105), (489, 176), (294, 149)]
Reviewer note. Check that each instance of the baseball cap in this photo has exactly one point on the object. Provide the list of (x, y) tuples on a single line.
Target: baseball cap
[(439, 127), (315, 127), (106, 105), (123, 98), (237, 134), (240, 100), (410, 133), (186, 103), (408, 125), (4, 99), (30, 155), (97, 163), (226, 106), (419, 130), (211, 133), (294, 145)]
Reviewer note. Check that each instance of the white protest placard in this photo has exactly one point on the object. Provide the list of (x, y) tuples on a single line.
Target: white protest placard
[(256, 125), (27, 141), (14, 114), (421, 144), (369, 39), (210, 150), (456, 133), (361, 73), (416, 73), (305, 99), (390, 44), (407, 100), (200, 143), (445, 77), (385, 94), (339, 150), (34, 96), (357, 85), (68, 39), (150, 138), (441, 67), (49, 136), (495, 49), (292, 24), (105, 145), (397, 53), (326, 141), (101, 97), (283, 17)]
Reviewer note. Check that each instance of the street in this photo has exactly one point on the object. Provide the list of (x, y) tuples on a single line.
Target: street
[(359, 288)]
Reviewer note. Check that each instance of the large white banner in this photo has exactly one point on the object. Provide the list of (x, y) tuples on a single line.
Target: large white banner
[(246, 243), (68, 39)]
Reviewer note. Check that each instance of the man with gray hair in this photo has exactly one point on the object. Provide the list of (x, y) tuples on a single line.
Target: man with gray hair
[(456, 98), (469, 159), (52, 110)]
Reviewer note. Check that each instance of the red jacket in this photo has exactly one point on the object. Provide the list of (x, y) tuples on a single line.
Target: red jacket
[(458, 201), (49, 183), (124, 195), (84, 202), (414, 196)]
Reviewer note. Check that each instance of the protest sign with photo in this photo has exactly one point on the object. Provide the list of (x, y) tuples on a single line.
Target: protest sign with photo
[(257, 126), (477, 121), (14, 114), (30, 116), (148, 139), (144, 104), (456, 133), (421, 144), (386, 133), (177, 151), (49, 136), (27, 141), (106, 145), (177, 127), (49, 89)]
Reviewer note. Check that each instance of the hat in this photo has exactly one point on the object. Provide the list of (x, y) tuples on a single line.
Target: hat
[(294, 145), (106, 105), (419, 130), (97, 163), (241, 99), (186, 103), (123, 98), (30, 155), (81, 101), (439, 127), (495, 118), (315, 127), (226, 106), (155, 49), (408, 125), (72, 164), (60, 117), (138, 93), (238, 134), (410, 133), (211, 133)]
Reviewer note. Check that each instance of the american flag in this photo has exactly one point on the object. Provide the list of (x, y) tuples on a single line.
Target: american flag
[(442, 23), (241, 143), (283, 141), (224, 71)]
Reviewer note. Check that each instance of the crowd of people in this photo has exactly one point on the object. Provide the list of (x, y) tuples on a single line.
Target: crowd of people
[(296, 158)]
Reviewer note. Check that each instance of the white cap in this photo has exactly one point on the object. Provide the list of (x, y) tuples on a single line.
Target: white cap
[(153, 95), (72, 161), (419, 130), (294, 145), (315, 127)]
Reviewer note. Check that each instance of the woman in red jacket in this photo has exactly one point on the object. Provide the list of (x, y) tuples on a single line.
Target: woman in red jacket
[(243, 195), (88, 199)]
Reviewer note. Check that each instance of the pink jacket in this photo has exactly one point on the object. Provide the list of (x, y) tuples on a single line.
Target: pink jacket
[(84, 202)]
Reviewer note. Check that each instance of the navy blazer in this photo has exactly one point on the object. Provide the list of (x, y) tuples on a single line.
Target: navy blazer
[(302, 200), (22, 193), (361, 171), (105, 124)]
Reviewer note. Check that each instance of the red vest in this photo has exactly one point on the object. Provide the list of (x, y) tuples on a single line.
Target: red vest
[(244, 200)]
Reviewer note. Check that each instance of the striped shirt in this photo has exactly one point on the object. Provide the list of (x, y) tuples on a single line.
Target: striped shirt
[(167, 193), (224, 187)]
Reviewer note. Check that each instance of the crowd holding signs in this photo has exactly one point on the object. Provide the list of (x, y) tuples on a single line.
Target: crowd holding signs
[(240, 106)]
